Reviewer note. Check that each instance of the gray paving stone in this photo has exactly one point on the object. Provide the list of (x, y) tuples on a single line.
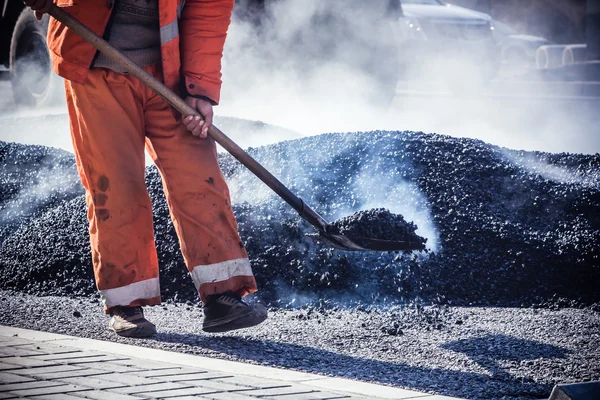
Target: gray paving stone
[(8, 396), (94, 383), (216, 386), (112, 367), (202, 375), (12, 387), (253, 381), (13, 341), (104, 395), (48, 390), (69, 373), (42, 370), (12, 351), (59, 396), (131, 379), (155, 387), (309, 396), (6, 366), (49, 348), (91, 359), (360, 397), (27, 362), (159, 372), (145, 364), (225, 396), (167, 394), (285, 391), (66, 356), (197, 397), (7, 377)]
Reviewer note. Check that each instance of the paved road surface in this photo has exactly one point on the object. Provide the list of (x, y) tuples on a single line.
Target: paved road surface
[(58, 367)]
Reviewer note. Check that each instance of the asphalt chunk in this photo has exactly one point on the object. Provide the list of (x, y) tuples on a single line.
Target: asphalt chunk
[(379, 224)]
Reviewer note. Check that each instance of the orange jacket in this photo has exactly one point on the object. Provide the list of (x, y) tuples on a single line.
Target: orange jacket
[(192, 36)]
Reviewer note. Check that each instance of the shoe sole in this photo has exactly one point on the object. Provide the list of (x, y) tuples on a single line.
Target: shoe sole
[(138, 333), (257, 315), (142, 330)]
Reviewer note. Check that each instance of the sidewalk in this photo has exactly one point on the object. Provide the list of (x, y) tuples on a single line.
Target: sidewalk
[(48, 366)]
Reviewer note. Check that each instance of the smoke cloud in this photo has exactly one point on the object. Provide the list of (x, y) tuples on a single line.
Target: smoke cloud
[(311, 66), (299, 68)]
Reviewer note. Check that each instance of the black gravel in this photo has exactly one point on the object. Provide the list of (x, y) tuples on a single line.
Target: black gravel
[(33, 179), (504, 227), (379, 224)]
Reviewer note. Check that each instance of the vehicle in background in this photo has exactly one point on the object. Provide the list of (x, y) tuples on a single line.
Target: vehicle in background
[(440, 40), (516, 50), (24, 57)]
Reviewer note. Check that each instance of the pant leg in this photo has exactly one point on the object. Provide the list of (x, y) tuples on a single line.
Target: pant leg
[(199, 203), (107, 129)]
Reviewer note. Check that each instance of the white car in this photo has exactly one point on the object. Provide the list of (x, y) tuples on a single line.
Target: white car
[(445, 39)]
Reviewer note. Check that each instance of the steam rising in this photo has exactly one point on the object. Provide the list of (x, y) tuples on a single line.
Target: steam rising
[(296, 70), (311, 66)]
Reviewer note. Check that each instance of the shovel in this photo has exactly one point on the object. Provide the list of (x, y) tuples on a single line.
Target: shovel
[(335, 240)]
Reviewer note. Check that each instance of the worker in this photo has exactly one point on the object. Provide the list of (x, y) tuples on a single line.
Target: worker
[(113, 116)]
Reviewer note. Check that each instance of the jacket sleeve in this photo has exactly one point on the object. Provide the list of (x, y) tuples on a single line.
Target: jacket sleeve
[(203, 29)]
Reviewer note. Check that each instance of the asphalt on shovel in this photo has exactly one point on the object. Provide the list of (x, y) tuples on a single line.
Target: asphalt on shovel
[(335, 240)]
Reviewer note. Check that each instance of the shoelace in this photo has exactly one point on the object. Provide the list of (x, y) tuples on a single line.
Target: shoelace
[(230, 298), (125, 312)]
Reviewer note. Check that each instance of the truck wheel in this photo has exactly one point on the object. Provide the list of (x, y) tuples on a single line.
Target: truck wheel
[(33, 81)]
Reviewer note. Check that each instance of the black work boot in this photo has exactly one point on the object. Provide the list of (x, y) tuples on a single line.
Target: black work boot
[(226, 312), (130, 322)]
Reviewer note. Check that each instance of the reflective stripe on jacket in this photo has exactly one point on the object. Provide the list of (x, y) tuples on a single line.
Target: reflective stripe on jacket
[(192, 36)]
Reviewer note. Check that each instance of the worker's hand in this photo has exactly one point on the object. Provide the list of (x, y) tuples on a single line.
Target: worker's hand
[(40, 7), (195, 124)]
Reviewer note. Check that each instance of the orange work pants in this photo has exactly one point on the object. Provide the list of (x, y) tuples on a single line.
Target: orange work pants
[(112, 117)]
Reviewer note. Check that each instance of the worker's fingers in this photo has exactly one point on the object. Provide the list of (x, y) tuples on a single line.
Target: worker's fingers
[(205, 108), (208, 118), (194, 124), (198, 130)]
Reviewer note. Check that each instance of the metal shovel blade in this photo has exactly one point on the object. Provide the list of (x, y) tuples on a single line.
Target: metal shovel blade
[(363, 244)]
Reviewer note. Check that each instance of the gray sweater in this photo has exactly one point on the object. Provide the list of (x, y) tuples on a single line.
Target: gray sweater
[(135, 31)]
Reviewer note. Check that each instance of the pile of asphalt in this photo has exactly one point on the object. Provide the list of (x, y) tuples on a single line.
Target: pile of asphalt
[(33, 179), (504, 227)]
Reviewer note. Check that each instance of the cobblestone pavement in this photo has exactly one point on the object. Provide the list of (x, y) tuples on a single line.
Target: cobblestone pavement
[(49, 366)]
